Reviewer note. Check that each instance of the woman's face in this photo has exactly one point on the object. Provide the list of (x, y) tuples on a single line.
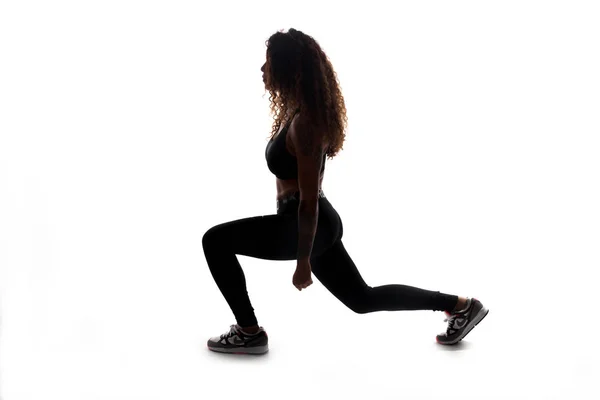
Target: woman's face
[(263, 71)]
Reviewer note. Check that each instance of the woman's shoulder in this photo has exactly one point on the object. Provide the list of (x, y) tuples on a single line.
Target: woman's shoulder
[(304, 130)]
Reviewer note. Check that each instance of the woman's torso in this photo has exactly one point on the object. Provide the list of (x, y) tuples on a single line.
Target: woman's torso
[(286, 187)]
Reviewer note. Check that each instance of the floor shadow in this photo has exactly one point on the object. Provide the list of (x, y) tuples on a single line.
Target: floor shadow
[(460, 346), (242, 358)]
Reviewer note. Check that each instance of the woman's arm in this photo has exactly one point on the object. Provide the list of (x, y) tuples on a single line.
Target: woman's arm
[(308, 145)]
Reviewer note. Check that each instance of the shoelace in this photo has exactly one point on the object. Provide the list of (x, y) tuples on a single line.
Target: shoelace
[(450, 319), (232, 331)]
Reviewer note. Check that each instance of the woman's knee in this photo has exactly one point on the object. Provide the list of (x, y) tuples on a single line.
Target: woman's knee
[(212, 237), (360, 303), (359, 307)]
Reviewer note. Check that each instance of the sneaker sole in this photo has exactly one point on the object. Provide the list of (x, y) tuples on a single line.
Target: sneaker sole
[(472, 324), (241, 350)]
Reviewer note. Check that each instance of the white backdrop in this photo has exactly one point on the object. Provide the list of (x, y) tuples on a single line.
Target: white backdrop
[(129, 128)]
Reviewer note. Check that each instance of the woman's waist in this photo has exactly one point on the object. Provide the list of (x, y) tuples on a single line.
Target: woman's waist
[(295, 195), (293, 198)]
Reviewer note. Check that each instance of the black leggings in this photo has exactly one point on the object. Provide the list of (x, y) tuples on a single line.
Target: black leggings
[(275, 237)]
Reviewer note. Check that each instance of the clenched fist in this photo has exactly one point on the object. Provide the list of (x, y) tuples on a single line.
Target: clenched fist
[(302, 277)]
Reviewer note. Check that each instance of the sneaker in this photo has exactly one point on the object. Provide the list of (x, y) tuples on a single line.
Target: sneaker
[(238, 342), (461, 322)]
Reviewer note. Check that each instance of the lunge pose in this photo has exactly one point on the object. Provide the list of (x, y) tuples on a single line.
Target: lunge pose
[(309, 127)]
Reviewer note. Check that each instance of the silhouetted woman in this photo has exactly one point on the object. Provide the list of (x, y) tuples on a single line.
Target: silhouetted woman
[(312, 117)]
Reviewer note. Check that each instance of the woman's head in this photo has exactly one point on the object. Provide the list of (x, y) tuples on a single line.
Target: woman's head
[(298, 74)]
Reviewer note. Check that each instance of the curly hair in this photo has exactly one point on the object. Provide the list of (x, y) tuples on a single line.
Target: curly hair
[(299, 75)]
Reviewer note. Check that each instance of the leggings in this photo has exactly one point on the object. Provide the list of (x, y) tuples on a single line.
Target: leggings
[(275, 237)]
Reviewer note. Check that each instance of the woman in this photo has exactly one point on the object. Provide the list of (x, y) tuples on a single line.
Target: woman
[(306, 227)]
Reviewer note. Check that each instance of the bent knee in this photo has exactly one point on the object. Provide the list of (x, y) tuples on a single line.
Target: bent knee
[(359, 308), (360, 303), (211, 236)]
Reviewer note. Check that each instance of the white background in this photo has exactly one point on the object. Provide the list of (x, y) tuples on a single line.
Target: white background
[(129, 128)]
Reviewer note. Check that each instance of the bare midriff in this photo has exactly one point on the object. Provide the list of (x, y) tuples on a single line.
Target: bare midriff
[(287, 187)]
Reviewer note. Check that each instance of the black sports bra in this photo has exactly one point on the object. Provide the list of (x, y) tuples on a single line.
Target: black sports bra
[(279, 160)]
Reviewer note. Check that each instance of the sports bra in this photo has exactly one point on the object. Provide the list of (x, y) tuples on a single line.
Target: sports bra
[(279, 160)]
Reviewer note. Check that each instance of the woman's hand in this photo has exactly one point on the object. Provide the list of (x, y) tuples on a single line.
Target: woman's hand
[(302, 277)]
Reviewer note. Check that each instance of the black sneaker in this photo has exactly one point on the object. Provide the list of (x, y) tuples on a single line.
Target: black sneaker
[(461, 322), (238, 342)]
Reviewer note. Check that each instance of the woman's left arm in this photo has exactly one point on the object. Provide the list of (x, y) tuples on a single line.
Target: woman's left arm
[(308, 144)]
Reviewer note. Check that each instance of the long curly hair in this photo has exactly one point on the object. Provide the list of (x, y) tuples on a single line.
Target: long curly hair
[(298, 75)]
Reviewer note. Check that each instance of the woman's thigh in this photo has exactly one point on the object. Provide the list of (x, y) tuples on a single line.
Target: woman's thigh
[(271, 237), (335, 269)]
